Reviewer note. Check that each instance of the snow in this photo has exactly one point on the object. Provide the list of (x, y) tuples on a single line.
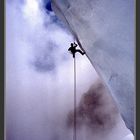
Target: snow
[(105, 30)]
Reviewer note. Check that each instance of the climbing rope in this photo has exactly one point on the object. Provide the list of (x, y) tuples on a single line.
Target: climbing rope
[(73, 50), (74, 133)]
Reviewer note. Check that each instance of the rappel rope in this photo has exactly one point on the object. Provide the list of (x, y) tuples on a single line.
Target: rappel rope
[(74, 130), (73, 50)]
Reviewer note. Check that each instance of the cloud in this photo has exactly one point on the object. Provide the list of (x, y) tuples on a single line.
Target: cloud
[(96, 110), (39, 72)]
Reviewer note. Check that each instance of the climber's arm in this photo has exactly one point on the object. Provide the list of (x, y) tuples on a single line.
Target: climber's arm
[(75, 45)]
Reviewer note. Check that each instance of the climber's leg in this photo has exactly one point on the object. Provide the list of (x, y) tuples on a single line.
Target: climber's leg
[(80, 51)]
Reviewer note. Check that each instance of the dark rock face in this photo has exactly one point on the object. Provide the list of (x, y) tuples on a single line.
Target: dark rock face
[(96, 110)]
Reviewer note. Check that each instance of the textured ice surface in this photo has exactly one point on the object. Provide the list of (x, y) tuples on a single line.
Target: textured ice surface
[(105, 30)]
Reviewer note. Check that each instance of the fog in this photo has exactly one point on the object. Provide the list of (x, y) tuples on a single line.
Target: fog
[(39, 80)]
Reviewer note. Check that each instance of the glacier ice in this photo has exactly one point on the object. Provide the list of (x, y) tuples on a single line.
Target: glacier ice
[(105, 30)]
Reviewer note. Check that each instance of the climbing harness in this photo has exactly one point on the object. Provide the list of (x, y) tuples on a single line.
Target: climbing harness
[(73, 51)]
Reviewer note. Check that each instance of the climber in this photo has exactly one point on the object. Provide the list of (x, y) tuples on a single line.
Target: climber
[(74, 50)]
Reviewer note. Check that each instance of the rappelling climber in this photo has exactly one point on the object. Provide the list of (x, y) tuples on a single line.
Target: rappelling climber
[(74, 50)]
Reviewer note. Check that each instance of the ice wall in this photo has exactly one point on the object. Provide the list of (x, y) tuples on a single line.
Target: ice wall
[(105, 30)]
